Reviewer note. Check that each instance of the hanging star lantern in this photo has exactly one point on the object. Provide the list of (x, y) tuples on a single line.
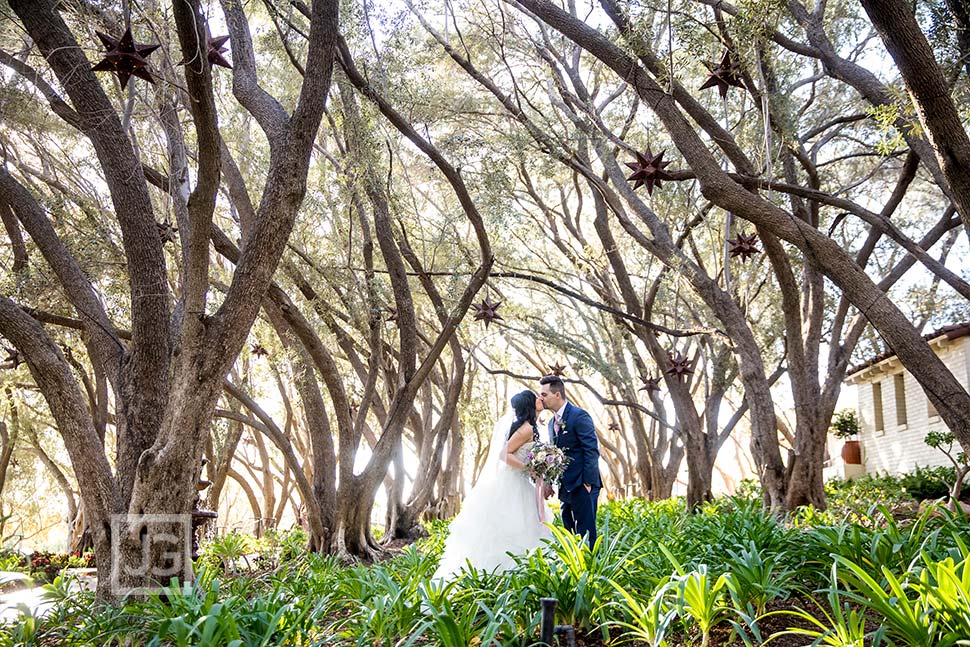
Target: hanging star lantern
[(744, 246), (724, 75), (680, 366), (487, 311), (648, 170), (13, 357), (166, 232), (651, 385), (67, 350), (125, 57), (216, 51), (258, 350), (391, 314), (556, 369)]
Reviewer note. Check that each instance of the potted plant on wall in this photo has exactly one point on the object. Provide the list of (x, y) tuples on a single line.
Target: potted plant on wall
[(845, 426)]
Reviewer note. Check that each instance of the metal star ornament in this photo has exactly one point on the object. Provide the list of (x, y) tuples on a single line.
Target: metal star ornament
[(681, 367), (216, 51), (13, 358), (725, 74), (487, 311), (391, 314), (648, 170), (614, 426), (125, 57), (258, 350), (67, 350), (744, 246), (651, 384), (556, 369), (166, 232)]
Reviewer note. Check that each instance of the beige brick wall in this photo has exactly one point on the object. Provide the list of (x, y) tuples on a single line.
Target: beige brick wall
[(900, 448)]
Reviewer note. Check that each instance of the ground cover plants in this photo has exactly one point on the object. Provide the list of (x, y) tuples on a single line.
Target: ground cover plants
[(726, 574)]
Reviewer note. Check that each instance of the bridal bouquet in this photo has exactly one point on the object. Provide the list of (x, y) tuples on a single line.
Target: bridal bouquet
[(546, 462)]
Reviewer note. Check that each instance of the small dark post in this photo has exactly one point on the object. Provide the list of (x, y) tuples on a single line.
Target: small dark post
[(570, 634), (548, 626)]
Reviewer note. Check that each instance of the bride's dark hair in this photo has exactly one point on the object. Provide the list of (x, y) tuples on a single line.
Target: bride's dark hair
[(524, 407)]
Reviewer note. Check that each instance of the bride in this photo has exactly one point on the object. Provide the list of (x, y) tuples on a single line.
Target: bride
[(503, 515)]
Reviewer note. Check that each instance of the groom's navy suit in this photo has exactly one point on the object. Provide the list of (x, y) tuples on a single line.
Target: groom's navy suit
[(577, 439)]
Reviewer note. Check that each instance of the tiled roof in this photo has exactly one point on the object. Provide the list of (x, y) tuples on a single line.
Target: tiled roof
[(953, 331)]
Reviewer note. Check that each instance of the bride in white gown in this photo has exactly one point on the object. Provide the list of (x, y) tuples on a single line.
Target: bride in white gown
[(503, 515)]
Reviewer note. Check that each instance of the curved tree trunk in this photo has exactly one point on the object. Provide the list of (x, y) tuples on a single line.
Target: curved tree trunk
[(930, 91), (248, 491), (944, 391), (169, 378)]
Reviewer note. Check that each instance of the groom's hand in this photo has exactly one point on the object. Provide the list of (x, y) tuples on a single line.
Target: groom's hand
[(546, 491)]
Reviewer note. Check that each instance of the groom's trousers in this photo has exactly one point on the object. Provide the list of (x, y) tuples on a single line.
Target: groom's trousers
[(579, 512)]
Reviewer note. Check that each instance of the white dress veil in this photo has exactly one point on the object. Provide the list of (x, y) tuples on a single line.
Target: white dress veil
[(498, 516)]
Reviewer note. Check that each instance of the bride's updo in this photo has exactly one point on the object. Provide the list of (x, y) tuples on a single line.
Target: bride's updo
[(524, 407)]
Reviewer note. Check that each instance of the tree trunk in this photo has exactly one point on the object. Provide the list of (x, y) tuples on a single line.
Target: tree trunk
[(944, 391), (448, 497), (165, 399), (896, 22)]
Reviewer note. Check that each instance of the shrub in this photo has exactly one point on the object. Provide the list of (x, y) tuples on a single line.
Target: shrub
[(45, 565), (926, 483), (658, 573), (845, 424)]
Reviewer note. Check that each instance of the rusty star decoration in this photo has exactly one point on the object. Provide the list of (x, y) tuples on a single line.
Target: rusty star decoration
[(216, 51), (125, 57), (744, 246), (258, 350), (613, 426), (556, 369), (391, 314), (648, 170), (487, 311), (680, 366), (651, 384), (67, 350), (13, 357), (725, 74), (166, 232)]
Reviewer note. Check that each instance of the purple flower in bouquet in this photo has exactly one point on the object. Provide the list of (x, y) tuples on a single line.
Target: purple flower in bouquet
[(546, 462)]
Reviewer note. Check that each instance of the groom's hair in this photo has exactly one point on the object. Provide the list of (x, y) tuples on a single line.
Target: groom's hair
[(555, 384)]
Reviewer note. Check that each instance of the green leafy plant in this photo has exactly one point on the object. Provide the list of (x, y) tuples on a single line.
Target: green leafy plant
[(909, 619), (458, 625), (840, 625), (943, 441), (229, 549), (755, 578), (647, 622), (698, 596), (926, 483), (845, 424)]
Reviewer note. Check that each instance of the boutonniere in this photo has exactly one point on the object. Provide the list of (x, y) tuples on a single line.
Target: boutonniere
[(562, 427)]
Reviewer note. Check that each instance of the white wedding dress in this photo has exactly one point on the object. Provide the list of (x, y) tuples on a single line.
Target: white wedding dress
[(498, 517)]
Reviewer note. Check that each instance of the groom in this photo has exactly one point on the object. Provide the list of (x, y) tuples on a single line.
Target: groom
[(571, 429)]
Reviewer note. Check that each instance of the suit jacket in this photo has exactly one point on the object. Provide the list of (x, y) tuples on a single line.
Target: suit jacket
[(577, 439)]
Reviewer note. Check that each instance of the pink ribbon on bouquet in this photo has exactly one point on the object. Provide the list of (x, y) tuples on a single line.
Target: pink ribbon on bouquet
[(540, 500)]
